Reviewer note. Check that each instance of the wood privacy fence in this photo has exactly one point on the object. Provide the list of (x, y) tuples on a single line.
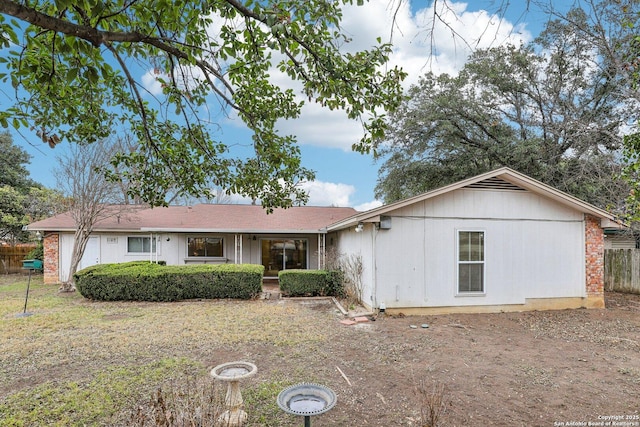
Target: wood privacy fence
[(622, 270), (11, 258)]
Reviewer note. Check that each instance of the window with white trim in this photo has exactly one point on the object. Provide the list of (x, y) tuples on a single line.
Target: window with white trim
[(470, 262), (205, 247), (140, 245)]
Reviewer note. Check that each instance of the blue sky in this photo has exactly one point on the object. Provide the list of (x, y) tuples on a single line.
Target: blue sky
[(345, 178)]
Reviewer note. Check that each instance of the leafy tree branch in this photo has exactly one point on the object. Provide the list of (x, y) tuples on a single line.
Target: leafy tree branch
[(76, 65)]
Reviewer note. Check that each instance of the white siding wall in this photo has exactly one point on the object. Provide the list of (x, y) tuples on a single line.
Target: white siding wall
[(113, 248), (172, 248), (64, 255), (361, 244), (534, 248)]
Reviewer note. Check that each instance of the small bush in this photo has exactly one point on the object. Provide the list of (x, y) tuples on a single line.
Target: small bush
[(145, 281), (352, 268), (311, 283), (433, 404)]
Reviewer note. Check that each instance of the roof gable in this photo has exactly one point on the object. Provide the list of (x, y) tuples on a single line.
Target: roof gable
[(503, 179)]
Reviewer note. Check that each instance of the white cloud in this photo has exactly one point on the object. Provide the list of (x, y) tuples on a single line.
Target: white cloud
[(151, 84), (419, 45), (456, 33), (328, 193), (320, 194), (368, 206), (186, 77)]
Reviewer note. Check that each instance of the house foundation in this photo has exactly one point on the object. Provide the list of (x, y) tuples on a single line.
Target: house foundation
[(531, 304)]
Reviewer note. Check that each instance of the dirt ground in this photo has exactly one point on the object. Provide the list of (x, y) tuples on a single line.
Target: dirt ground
[(556, 368)]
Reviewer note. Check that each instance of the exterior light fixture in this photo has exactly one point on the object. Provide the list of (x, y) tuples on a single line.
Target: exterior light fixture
[(359, 227)]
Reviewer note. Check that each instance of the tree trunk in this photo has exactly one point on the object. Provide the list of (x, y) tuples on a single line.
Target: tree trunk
[(80, 240)]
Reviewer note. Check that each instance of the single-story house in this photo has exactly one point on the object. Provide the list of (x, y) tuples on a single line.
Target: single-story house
[(203, 233), (500, 241)]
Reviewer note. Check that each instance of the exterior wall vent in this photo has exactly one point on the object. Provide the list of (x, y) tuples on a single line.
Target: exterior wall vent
[(385, 222), (494, 184)]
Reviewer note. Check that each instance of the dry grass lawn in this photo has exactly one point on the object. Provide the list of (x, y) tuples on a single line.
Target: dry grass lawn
[(81, 362)]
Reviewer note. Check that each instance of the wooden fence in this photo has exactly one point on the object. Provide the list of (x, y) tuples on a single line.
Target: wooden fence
[(622, 270), (11, 258)]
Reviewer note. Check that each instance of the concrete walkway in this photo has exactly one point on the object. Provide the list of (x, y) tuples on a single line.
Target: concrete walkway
[(270, 289)]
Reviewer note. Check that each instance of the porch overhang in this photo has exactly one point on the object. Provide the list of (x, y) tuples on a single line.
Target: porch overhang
[(231, 230)]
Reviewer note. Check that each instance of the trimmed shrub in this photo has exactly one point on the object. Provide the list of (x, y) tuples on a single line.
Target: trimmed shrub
[(145, 281), (298, 283)]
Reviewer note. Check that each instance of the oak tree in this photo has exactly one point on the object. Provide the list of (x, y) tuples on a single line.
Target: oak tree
[(550, 109)]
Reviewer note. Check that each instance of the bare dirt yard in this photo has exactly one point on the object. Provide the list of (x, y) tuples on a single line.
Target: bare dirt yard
[(81, 362)]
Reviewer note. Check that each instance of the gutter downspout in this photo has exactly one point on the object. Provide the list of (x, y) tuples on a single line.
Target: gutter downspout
[(374, 237)]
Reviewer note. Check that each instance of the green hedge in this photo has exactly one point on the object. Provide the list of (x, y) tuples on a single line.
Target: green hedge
[(298, 283), (145, 281)]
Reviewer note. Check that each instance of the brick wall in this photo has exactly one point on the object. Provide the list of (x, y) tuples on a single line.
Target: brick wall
[(51, 258), (594, 254)]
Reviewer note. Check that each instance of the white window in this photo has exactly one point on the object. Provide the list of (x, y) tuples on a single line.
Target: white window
[(470, 262), (140, 245)]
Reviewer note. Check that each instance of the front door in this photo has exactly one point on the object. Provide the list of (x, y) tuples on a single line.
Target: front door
[(283, 254)]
